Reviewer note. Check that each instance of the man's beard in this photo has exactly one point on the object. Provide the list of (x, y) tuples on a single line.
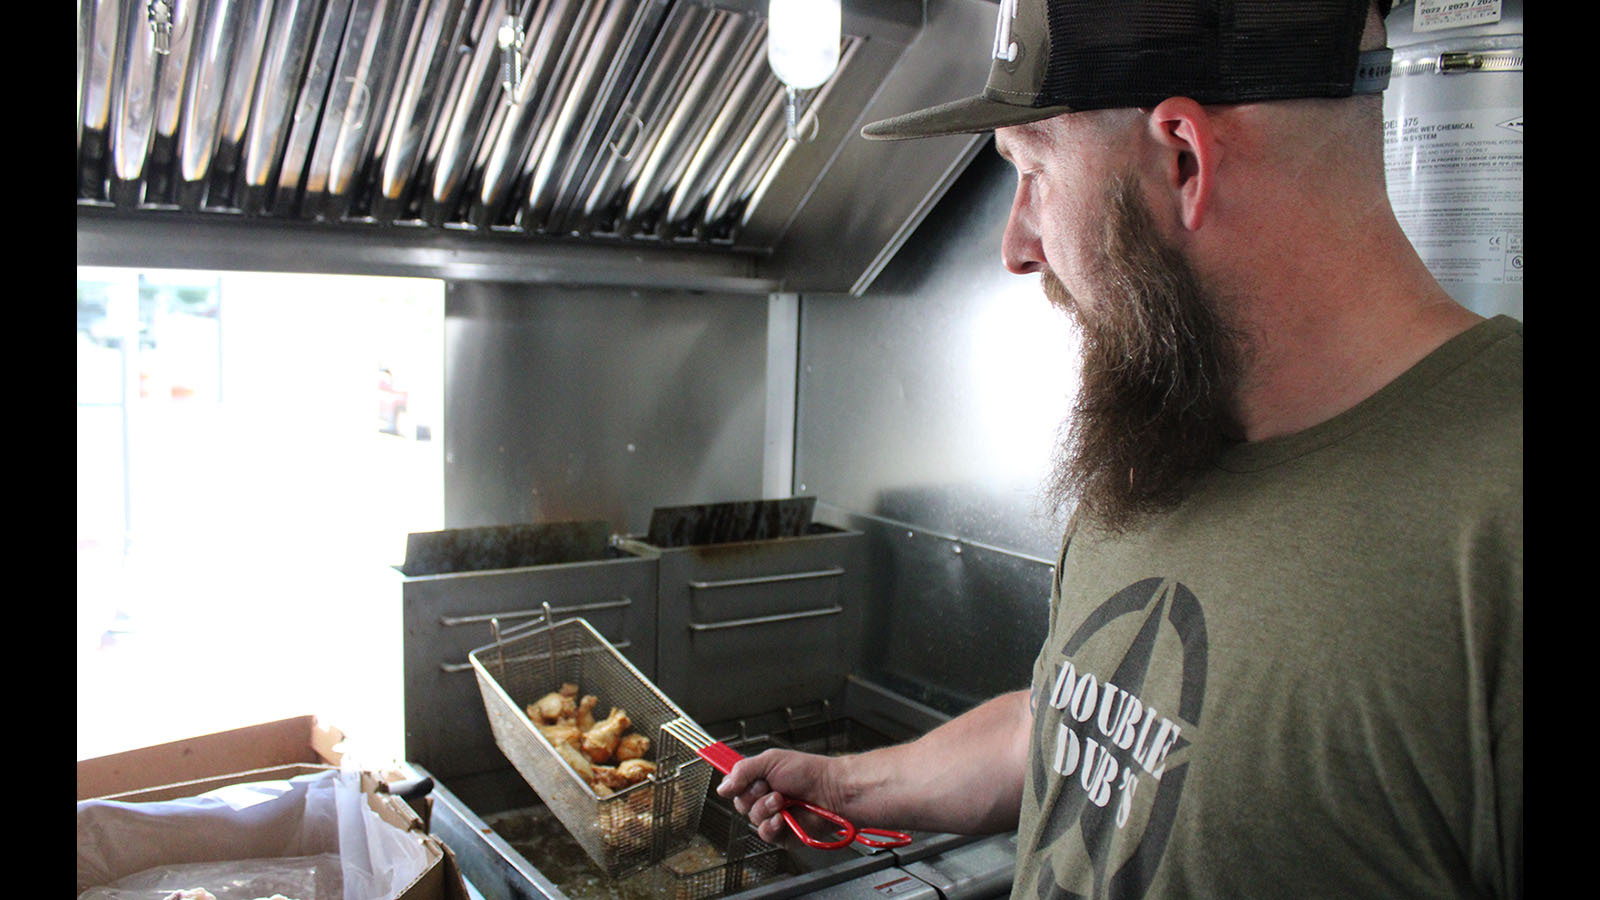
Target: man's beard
[(1159, 377)]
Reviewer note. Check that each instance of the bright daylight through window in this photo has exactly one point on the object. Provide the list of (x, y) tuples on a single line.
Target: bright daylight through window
[(253, 450)]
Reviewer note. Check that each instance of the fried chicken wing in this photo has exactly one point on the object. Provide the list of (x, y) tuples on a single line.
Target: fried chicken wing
[(634, 771), (609, 777), (577, 761), (585, 712), (563, 733), (603, 753), (600, 742), (632, 746), (625, 774), (554, 706)]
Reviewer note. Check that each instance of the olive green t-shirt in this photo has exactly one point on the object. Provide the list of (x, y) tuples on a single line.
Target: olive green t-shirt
[(1306, 680)]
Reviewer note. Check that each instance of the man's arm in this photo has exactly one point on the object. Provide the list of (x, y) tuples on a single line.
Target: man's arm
[(963, 777)]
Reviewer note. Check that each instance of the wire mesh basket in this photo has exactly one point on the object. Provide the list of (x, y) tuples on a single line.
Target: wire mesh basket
[(731, 858), (627, 831)]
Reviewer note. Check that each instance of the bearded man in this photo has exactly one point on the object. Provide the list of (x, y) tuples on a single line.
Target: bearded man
[(1284, 649)]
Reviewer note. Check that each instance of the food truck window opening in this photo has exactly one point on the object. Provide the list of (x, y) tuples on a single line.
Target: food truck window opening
[(252, 450)]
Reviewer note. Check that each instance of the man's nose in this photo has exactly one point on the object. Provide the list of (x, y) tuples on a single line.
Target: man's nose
[(1020, 248)]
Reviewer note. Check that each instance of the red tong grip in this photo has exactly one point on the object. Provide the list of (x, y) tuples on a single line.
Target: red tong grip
[(846, 833), (723, 758), (890, 838)]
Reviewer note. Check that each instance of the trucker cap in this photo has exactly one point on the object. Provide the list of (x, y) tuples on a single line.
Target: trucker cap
[(1057, 56)]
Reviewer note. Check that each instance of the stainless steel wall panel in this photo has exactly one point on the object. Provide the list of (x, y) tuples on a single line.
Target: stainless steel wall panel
[(783, 351), (927, 415), (600, 403), (936, 398), (952, 622)]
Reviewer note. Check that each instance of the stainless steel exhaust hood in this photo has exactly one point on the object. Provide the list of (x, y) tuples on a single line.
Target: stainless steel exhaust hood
[(583, 141)]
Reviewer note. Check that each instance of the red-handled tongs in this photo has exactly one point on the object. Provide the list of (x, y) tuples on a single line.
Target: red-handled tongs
[(722, 757)]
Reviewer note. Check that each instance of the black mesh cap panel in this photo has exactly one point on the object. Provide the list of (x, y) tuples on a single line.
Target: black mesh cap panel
[(1115, 53), (1099, 54)]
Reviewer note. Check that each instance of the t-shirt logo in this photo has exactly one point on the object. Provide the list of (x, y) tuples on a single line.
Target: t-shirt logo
[(1102, 737)]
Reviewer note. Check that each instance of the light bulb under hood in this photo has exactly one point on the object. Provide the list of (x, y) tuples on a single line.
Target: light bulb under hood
[(802, 47)]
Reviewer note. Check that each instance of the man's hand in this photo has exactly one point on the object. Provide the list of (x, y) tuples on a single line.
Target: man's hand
[(963, 777), (760, 785)]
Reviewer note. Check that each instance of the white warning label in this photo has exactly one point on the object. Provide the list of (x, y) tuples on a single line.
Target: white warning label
[(1455, 182), (1435, 15)]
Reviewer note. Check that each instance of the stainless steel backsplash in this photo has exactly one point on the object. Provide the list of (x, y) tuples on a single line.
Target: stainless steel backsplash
[(600, 403), (924, 415), (926, 418)]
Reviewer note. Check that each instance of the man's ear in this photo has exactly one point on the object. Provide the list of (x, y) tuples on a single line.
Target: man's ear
[(1188, 152)]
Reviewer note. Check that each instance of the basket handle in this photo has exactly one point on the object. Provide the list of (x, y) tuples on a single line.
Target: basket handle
[(500, 636)]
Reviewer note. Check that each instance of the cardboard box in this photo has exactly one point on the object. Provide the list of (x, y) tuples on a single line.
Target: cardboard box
[(271, 751), (189, 764)]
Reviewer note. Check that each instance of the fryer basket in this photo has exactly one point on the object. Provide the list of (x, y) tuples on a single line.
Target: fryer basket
[(733, 858), (634, 828)]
